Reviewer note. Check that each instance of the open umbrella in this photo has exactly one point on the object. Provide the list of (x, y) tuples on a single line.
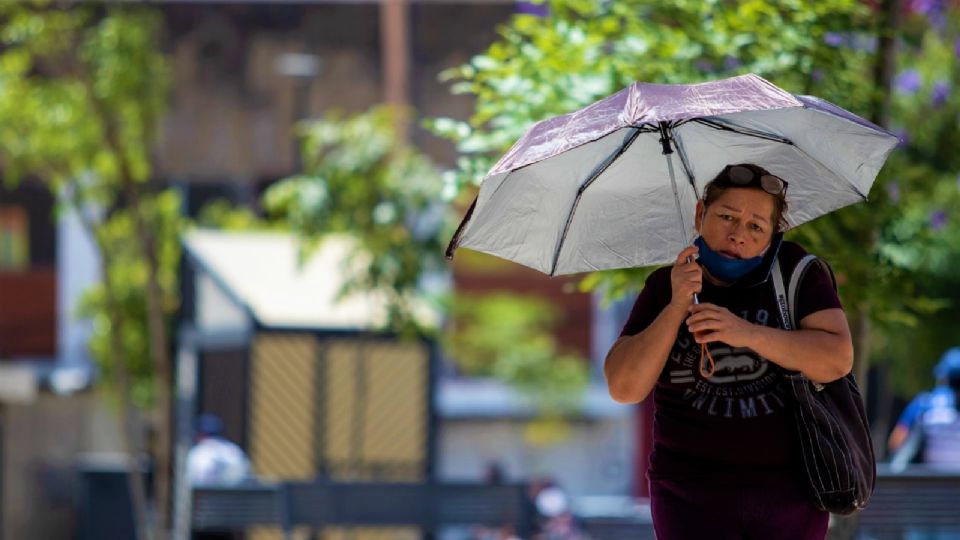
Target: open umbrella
[(599, 188)]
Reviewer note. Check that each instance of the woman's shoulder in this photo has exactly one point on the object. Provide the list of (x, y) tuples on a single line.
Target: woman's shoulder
[(657, 285), (790, 253), (659, 276)]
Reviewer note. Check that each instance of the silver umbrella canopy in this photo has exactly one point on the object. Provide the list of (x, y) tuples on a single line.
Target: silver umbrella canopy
[(598, 188)]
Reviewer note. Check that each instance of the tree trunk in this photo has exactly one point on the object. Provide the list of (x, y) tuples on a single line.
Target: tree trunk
[(131, 426), (159, 356), (889, 24), (861, 344), (132, 429), (156, 325)]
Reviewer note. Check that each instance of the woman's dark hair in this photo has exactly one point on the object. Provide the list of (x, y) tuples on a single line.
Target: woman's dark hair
[(722, 182)]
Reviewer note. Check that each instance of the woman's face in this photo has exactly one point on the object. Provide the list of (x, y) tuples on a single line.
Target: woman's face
[(738, 224)]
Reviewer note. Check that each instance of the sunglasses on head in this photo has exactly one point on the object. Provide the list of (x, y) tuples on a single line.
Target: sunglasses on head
[(738, 175)]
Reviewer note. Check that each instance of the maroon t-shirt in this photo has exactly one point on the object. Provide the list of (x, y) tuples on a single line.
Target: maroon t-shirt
[(733, 425)]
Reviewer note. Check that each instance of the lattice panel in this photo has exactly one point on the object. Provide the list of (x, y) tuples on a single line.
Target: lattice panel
[(374, 410), (282, 406)]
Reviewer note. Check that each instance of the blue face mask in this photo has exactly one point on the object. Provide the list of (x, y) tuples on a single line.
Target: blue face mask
[(724, 268)]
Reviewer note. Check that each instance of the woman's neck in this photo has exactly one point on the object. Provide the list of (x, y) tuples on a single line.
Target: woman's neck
[(713, 281)]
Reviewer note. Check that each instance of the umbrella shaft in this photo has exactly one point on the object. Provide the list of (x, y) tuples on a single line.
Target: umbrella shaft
[(676, 198)]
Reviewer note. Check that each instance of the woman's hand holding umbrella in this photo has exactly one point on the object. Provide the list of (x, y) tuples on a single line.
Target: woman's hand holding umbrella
[(686, 278)]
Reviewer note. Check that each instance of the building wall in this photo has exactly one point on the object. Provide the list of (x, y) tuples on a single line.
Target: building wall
[(232, 113)]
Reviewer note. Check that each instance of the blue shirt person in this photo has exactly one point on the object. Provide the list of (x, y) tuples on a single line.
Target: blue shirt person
[(936, 412)]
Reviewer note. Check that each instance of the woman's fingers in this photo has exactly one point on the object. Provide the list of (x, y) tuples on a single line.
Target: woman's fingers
[(704, 317), (686, 275), (687, 253)]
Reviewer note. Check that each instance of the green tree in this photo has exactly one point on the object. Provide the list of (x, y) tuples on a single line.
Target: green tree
[(82, 90), (583, 50), (360, 179)]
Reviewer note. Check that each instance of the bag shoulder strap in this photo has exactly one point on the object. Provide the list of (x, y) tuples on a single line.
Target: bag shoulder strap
[(787, 299), (786, 296)]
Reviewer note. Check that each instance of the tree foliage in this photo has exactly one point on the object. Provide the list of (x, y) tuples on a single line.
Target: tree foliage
[(360, 179), (512, 338), (887, 252), (65, 74), (129, 283), (83, 87)]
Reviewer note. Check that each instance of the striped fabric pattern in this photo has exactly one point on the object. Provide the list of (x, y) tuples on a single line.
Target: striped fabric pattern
[(831, 424)]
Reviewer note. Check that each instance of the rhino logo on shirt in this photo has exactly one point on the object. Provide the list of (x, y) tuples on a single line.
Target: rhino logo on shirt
[(736, 365)]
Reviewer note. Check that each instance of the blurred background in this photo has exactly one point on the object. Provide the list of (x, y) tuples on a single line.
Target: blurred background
[(225, 221)]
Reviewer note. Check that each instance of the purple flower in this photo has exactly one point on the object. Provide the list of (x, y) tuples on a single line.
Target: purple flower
[(530, 8), (940, 93), (834, 39), (817, 75), (703, 65), (893, 191), (731, 62), (927, 7), (938, 219), (908, 81), (938, 21), (956, 47)]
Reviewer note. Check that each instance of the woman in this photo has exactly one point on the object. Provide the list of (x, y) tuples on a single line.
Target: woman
[(722, 464)]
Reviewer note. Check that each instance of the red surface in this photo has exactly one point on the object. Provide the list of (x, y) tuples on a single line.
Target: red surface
[(28, 313)]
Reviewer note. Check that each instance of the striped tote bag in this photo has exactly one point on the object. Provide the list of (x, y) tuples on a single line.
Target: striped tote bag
[(830, 424)]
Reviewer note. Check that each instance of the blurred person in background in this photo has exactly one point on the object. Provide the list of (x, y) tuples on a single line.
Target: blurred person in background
[(554, 516), (929, 426), (214, 460)]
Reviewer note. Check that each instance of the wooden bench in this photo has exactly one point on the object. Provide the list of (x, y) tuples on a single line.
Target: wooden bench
[(919, 499), (235, 508), (424, 505), (319, 504)]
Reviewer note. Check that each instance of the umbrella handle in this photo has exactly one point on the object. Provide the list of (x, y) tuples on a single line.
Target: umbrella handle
[(706, 368), (696, 299)]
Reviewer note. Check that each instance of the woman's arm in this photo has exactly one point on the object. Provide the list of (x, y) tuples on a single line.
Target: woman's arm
[(634, 362), (821, 348)]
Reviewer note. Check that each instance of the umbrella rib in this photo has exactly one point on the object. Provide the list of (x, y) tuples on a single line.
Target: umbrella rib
[(678, 144), (842, 177), (576, 202), (728, 126)]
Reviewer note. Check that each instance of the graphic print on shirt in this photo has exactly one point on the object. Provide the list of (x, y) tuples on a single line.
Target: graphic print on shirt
[(743, 385)]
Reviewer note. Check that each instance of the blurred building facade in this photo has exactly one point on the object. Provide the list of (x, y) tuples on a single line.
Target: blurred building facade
[(49, 417), (244, 74)]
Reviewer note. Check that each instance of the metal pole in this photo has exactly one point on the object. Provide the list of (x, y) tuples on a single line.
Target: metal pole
[(395, 52)]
